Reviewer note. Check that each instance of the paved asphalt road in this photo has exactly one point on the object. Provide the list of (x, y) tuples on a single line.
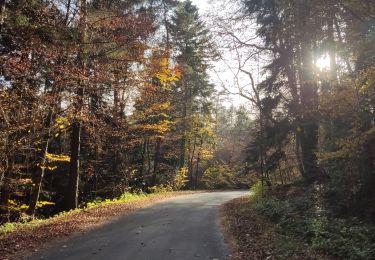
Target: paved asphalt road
[(181, 228)]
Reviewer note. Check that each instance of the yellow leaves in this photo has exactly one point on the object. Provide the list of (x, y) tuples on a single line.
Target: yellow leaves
[(57, 158), (23, 206), (44, 167), (25, 181), (206, 154), (16, 206), (159, 107), (154, 110), (203, 127), (41, 204), (180, 178), (61, 120), (167, 75), (62, 123), (154, 118), (206, 132), (159, 128)]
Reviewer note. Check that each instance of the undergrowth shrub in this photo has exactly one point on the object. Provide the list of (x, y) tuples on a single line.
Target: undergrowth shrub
[(161, 188), (226, 177), (304, 217)]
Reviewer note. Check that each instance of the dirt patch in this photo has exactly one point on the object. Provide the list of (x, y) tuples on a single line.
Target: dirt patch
[(24, 241)]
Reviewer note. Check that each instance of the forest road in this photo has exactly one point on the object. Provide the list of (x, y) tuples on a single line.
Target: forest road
[(181, 228)]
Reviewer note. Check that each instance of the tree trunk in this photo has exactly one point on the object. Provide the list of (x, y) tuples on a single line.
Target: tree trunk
[(165, 20), (332, 53), (143, 155), (341, 41), (2, 14), (309, 101), (295, 108), (148, 158), (37, 180), (183, 139), (6, 190), (72, 196), (156, 161), (196, 170), (39, 174), (191, 161), (68, 6)]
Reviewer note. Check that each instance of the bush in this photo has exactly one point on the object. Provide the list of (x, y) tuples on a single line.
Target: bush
[(160, 188), (226, 177), (180, 179)]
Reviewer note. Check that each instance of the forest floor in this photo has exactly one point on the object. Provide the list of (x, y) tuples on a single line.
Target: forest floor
[(252, 236), (31, 237), (294, 221)]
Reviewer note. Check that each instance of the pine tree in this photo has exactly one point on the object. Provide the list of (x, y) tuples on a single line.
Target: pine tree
[(193, 49)]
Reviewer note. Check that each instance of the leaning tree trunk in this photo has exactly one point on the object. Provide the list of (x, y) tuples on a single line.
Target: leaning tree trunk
[(40, 168), (37, 181)]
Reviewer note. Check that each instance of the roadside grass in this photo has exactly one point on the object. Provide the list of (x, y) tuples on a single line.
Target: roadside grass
[(34, 223), (18, 240)]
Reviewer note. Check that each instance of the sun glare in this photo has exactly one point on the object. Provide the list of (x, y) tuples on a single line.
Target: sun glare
[(323, 63)]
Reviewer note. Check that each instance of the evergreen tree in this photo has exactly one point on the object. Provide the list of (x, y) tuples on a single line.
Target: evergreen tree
[(193, 49)]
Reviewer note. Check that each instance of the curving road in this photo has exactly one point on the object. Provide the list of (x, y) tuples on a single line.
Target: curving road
[(181, 228)]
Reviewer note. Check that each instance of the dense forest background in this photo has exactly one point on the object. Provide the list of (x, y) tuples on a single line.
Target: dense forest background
[(99, 98), (310, 76), (314, 97)]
